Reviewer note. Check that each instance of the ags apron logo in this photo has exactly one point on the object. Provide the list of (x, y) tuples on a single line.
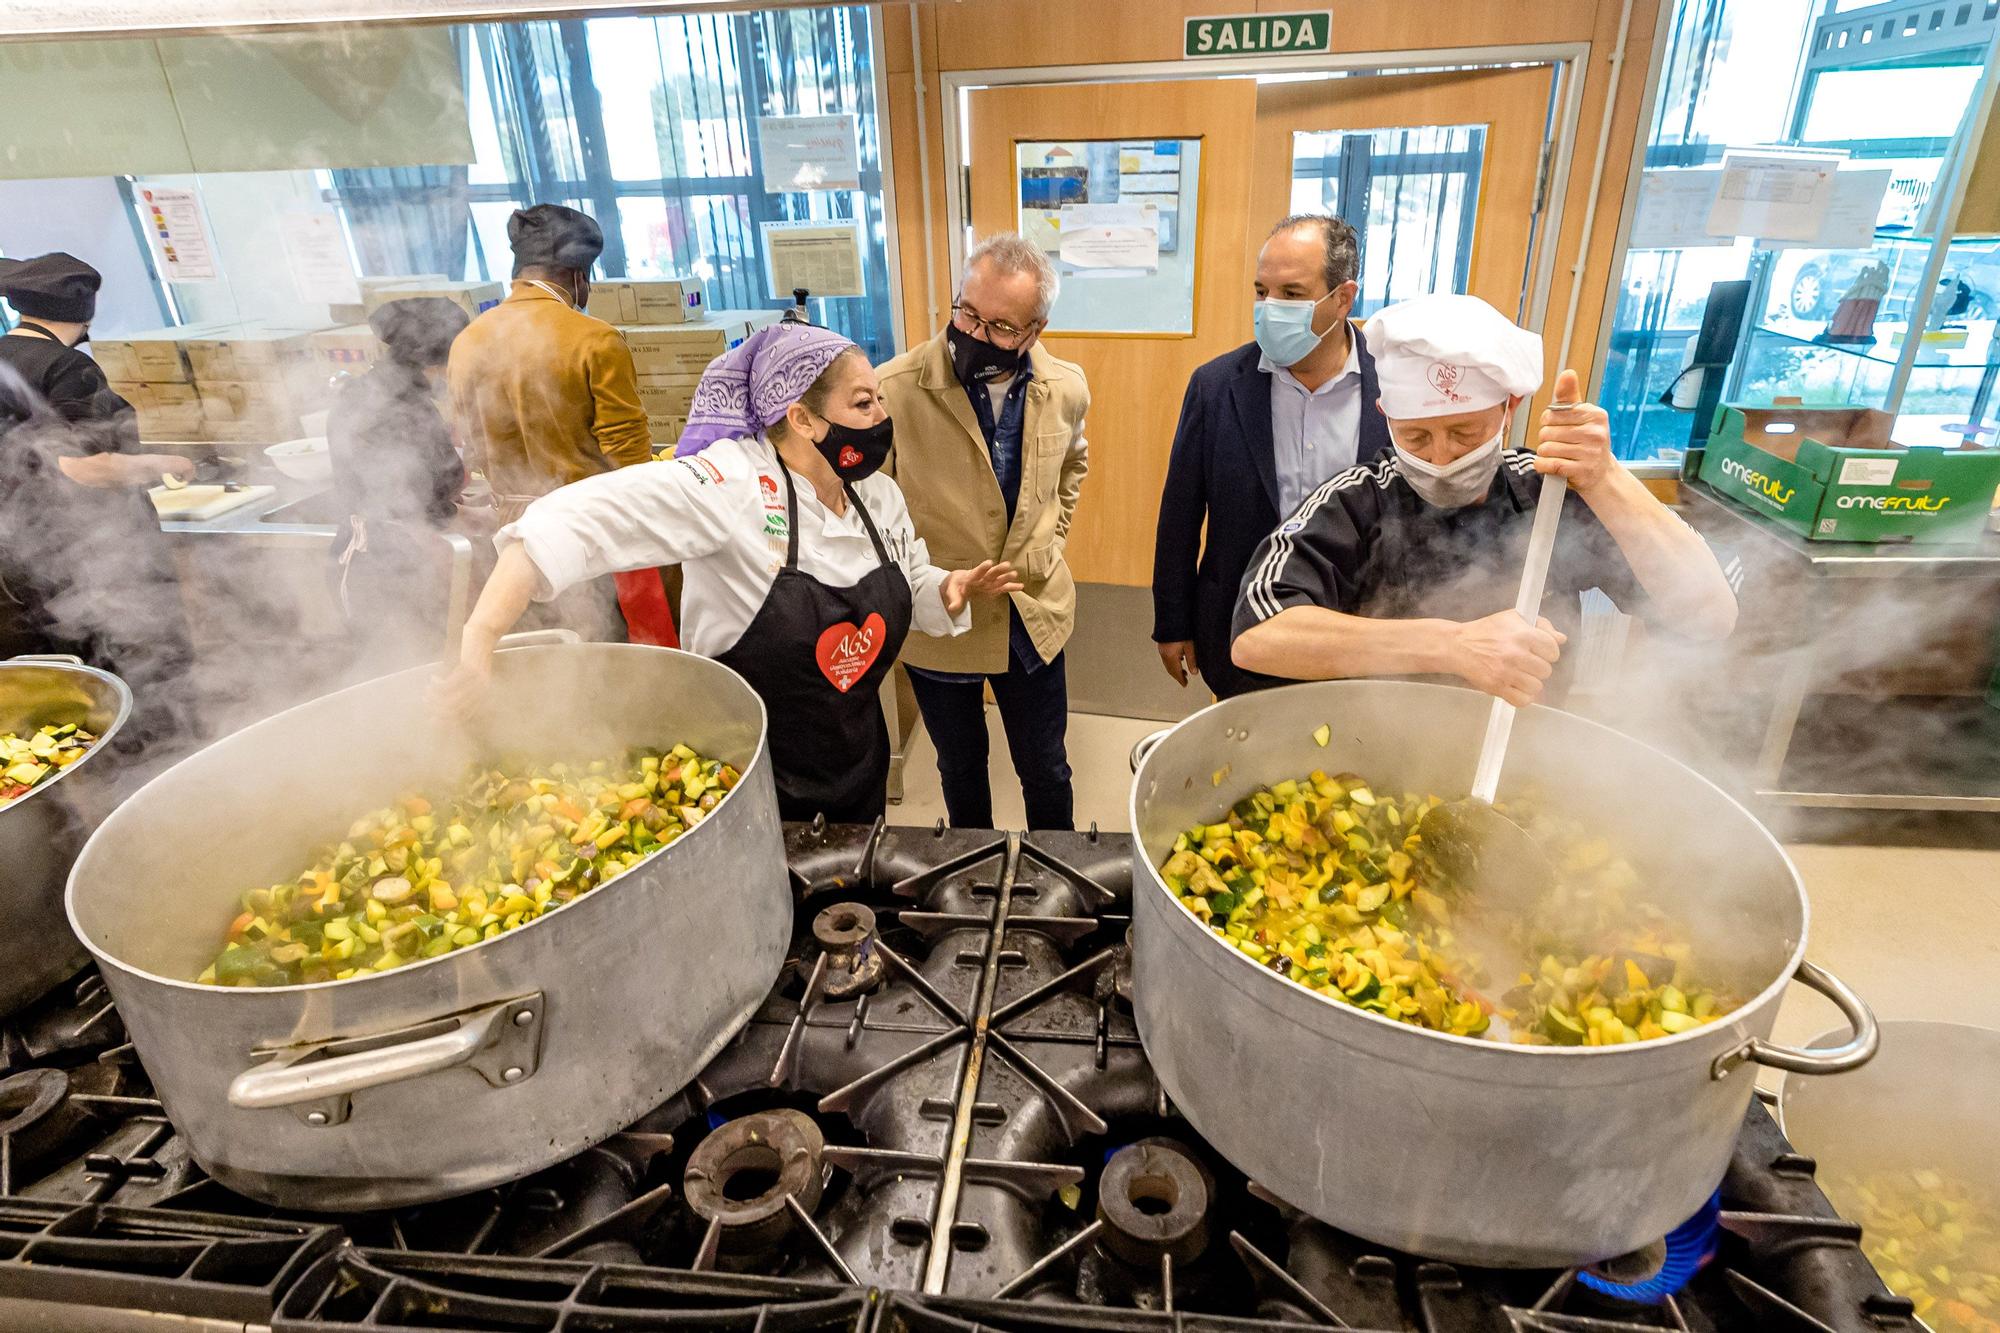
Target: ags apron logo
[(846, 652)]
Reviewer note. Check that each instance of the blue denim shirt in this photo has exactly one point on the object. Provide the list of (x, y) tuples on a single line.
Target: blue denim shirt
[(1003, 446)]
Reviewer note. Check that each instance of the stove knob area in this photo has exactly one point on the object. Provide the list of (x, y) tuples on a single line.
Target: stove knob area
[(846, 931), (749, 1179), (1153, 1199)]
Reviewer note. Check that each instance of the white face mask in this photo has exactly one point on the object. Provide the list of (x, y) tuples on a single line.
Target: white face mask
[(1463, 481), (567, 298)]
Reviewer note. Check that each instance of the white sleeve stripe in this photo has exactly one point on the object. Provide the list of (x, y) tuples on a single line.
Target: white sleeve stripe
[(1259, 590)]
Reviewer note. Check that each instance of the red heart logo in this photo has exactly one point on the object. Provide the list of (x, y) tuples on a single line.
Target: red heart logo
[(846, 651), (849, 456)]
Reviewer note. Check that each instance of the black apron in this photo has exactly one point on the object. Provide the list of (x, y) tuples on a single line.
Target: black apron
[(817, 656)]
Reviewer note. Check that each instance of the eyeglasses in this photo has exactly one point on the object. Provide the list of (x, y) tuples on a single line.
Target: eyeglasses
[(999, 331)]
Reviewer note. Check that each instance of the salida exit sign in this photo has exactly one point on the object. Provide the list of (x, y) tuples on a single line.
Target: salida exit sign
[(1260, 34)]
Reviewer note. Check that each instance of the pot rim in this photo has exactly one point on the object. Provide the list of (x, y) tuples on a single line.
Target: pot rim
[(1498, 1050), (109, 959), (120, 691)]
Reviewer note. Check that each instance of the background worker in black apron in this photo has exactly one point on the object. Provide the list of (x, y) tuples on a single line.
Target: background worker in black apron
[(84, 567), (801, 568)]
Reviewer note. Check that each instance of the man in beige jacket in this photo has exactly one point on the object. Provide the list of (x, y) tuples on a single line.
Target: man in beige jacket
[(990, 455)]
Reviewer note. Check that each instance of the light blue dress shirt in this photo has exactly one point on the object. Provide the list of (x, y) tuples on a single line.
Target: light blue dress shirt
[(1314, 432)]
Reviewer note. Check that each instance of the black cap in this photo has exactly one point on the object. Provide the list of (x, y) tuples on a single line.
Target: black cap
[(52, 286), (552, 236), (418, 330)]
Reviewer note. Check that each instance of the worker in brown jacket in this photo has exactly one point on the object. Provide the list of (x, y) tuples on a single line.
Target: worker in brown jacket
[(544, 394), (990, 454)]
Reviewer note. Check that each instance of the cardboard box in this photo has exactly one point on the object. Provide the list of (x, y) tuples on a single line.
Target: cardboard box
[(686, 349), (249, 410), (667, 395), (348, 350), (665, 430), (646, 300), (151, 356), (356, 314), (1833, 474), (471, 297), (252, 352), (166, 411)]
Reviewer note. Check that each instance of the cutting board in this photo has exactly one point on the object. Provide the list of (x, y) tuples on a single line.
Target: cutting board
[(191, 504)]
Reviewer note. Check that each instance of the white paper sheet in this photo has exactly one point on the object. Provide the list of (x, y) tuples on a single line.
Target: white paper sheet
[(1849, 223), (1133, 249), (316, 252), (177, 233), (1777, 196), (822, 257), (809, 153), (1673, 208)]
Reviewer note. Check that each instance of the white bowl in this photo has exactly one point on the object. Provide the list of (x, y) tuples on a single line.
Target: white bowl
[(303, 459), (314, 423)]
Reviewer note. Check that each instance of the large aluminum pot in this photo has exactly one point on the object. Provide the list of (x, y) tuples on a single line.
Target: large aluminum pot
[(41, 831), (489, 1062), (1457, 1147)]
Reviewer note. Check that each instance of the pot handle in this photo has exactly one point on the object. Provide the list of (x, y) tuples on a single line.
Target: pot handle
[(1856, 1052), (503, 1042), (1145, 744), (67, 659), (531, 638)]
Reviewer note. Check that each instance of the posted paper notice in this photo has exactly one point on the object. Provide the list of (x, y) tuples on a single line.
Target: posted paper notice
[(316, 252), (177, 233), (1783, 197), (809, 153), (1850, 218), (1674, 204), (824, 257)]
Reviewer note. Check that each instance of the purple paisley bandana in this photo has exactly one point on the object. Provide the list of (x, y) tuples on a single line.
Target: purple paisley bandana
[(749, 386)]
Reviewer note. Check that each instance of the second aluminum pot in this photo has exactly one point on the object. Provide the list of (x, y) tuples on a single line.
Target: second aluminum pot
[(489, 1062), (1456, 1147)]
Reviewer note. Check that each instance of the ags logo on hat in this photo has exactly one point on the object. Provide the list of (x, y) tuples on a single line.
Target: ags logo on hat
[(1444, 377)]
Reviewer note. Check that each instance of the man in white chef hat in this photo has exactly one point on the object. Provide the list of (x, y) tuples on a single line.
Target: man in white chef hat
[(1409, 566)]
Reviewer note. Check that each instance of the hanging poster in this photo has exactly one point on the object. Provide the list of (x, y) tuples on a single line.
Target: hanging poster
[(1850, 218), (316, 252), (822, 256), (808, 153), (177, 233), (1673, 208)]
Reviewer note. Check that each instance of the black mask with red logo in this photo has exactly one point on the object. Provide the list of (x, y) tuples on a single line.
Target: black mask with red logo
[(857, 451)]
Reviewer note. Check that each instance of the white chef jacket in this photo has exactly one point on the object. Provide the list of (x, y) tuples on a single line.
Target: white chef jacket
[(720, 515)]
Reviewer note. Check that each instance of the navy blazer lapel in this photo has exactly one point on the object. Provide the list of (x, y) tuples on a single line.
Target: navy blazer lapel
[(1372, 439), (1251, 395)]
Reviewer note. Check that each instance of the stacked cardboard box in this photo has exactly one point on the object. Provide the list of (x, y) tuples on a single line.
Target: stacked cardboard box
[(471, 297), (348, 350), (153, 356), (167, 410), (669, 359), (646, 300), (356, 314)]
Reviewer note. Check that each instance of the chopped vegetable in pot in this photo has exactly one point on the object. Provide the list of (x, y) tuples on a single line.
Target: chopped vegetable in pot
[(1935, 1242), (418, 879), (28, 761), (1328, 884)]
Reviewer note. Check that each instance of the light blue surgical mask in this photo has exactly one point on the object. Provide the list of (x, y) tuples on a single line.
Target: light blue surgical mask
[(1284, 329)]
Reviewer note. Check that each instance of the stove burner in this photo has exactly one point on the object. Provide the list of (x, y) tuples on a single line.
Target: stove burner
[(751, 1180), (853, 963), (1153, 1200)]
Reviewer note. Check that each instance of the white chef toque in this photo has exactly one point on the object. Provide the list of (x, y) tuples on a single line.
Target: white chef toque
[(1437, 356)]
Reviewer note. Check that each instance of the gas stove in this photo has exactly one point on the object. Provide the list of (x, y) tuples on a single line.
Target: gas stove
[(941, 1119)]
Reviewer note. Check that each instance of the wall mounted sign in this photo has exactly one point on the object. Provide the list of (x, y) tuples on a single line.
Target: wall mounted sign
[(1307, 33)]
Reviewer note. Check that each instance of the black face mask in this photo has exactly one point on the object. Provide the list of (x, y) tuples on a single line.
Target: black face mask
[(857, 452), (977, 362)]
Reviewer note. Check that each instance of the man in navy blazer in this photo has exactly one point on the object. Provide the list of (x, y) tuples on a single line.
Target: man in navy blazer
[(1260, 428)]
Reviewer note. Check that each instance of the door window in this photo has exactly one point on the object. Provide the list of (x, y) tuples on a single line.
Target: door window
[(1411, 194)]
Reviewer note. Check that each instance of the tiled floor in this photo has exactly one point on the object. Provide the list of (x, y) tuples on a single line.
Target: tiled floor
[(1914, 929)]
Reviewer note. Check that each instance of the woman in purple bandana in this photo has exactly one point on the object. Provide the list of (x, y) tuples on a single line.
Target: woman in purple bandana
[(800, 567)]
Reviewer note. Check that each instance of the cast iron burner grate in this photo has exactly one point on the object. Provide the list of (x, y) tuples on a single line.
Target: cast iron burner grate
[(941, 1119)]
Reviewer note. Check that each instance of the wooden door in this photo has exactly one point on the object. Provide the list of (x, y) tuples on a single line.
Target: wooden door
[(1512, 104), (1137, 380)]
